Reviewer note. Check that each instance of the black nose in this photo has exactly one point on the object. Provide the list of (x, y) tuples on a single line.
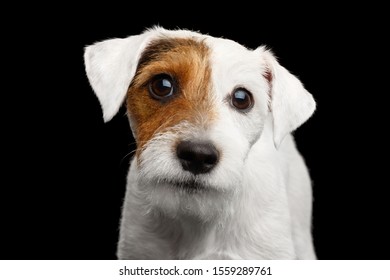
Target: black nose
[(197, 157)]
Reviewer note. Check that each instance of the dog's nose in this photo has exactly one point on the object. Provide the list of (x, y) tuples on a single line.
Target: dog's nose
[(197, 157)]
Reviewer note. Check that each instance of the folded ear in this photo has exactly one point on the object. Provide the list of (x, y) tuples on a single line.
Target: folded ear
[(291, 103), (110, 67)]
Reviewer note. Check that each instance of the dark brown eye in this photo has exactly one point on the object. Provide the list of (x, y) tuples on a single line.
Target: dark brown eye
[(242, 99), (161, 86)]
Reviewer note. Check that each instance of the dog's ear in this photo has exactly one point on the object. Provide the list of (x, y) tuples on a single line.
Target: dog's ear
[(110, 67), (291, 104)]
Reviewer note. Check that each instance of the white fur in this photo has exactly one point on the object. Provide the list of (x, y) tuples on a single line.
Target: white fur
[(257, 200)]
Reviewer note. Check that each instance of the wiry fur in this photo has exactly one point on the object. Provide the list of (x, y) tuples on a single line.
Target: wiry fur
[(256, 202)]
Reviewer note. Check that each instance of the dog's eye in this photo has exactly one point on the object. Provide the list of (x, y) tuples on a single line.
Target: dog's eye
[(242, 99), (161, 86)]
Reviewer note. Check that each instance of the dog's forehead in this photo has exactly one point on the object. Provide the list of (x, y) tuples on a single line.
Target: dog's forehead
[(226, 48), (227, 57), (222, 48), (231, 57)]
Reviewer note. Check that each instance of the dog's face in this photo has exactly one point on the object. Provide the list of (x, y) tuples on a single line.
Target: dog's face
[(196, 105)]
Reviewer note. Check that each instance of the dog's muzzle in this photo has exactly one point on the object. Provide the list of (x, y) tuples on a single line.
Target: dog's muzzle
[(197, 157)]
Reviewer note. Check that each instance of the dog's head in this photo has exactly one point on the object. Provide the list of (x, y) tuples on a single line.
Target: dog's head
[(196, 105)]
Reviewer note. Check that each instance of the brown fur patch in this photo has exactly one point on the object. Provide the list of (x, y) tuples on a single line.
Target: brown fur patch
[(269, 77), (186, 60)]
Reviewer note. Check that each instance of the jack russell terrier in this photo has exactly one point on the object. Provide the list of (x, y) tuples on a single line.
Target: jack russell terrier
[(216, 173)]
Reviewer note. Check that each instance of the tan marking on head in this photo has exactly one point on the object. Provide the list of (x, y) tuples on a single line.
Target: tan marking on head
[(187, 61), (269, 77)]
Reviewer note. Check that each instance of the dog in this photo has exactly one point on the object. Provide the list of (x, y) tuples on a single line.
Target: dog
[(216, 173)]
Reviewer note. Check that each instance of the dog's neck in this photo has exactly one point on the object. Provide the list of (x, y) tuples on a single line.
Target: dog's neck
[(189, 236)]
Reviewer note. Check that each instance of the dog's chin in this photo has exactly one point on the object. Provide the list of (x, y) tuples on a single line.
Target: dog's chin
[(189, 198)]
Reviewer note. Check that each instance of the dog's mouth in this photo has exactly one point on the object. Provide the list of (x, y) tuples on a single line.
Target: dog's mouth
[(190, 186)]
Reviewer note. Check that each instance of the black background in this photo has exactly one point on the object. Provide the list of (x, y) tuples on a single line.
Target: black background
[(65, 171)]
